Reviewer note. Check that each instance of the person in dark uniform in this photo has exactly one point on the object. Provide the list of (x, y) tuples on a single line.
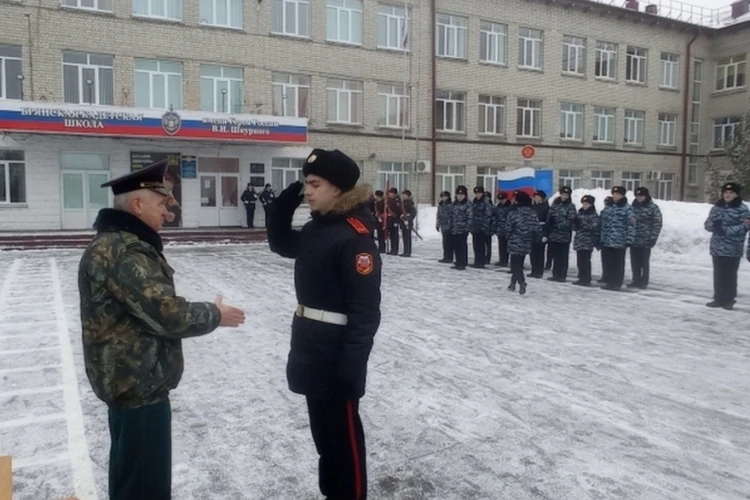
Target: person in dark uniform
[(488, 244), (337, 275), (460, 226), (499, 217), (249, 197), (394, 210), (380, 218), (617, 235), (133, 324), (481, 218), (407, 220), (443, 226), (541, 207), (608, 202), (266, 198)]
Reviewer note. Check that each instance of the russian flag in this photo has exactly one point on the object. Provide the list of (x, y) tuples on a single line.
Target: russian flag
[(521, 179)]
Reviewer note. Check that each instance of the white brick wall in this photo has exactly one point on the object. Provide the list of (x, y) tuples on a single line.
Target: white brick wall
[(53, 29)]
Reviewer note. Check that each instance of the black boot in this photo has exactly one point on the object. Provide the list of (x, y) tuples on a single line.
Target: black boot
[(522, 290), (713, 304)]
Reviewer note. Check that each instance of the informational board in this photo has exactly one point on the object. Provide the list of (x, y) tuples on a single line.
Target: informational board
[(189, 167)]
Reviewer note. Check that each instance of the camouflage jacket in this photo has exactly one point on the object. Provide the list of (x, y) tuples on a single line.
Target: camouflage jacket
[(727, 223), (132, 320), (522, 228)]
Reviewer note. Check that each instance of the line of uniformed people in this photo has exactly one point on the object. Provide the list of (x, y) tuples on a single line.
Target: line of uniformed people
[(395, 216), (620, 226)]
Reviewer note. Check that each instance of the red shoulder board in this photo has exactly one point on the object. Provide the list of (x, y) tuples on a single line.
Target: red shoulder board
[(357, 225)]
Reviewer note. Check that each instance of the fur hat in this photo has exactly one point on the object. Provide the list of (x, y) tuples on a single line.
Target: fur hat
[(333, 166), (462, 190), (393, 190), (478, 189), (588, 199), (522, 198), (445, 193), (609, 201), (620, 190), (502, 195), (732, 186), (642, 191), (379, 193), (406, 192), (566, 190), (541, 194)]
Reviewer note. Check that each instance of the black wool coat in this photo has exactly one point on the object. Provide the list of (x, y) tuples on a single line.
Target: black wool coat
[(337, 268)]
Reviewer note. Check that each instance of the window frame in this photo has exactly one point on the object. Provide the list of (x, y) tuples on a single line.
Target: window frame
[(293, 166), (537, 46), (229, 11), (456, 101), (572, 178), (632, 181), (460, 31), (610, 125), (165, 16), (402, 103), (636, 61), (228, 80), (632, 121), (571, 48), (741, 62), (166, 74), (297, 23), (97, 7), (352, 93), (603, 47), (535, 115), (492, 39), (284, 89), (577, 117), (601, 181), (401, 174), (6, 78), (455, 174), (493, 106), (671, 67), (732, 122), (354, 37), (669, 128), (403, 25), (6, 164), (97, 80)]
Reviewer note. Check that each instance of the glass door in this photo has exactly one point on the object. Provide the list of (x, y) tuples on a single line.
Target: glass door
[(209, 213), (83, 197), (230, 213), (98, 197)]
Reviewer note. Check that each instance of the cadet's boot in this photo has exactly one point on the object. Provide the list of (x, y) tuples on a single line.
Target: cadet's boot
[(522, 290)]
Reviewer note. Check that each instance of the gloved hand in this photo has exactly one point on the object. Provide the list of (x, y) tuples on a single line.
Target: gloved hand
[(652, 243), (291, 197), (718, 227), (545, 239)]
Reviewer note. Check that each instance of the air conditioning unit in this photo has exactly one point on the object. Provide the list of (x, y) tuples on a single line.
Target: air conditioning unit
[(654, 175), (423, 167)]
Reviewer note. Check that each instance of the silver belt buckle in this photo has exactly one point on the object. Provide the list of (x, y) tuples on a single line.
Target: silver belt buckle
[(300, 310)]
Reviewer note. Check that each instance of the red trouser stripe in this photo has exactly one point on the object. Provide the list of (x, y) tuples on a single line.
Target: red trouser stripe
[(355, 450)]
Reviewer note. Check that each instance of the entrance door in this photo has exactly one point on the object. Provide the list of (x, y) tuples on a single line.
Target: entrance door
[(229, 212), (83, 197), (209, 214)]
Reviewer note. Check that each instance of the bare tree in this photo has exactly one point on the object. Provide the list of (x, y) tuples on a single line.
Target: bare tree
[(737, 154)]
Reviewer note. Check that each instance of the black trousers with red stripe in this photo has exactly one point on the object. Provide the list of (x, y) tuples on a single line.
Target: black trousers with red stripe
[(340, 441)]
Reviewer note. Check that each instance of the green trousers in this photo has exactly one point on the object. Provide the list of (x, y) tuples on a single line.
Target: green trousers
[(140, 456)]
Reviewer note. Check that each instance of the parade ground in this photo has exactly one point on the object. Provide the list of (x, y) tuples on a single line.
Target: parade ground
[(473, 392)]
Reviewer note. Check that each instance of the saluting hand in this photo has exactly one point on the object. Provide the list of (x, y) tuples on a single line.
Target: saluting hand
[(230, 316)]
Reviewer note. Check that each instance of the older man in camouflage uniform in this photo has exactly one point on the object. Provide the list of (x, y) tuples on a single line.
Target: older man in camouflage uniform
[(133, 323)]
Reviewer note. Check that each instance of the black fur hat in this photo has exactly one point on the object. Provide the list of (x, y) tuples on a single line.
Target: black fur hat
[(462, 190), (406, 192), (478, 189), (642, 191), (609, 201), (619, 189), (379, 193), (541, 194), (333, 166), (522, 198), (732, 186), (588, 199), (445, 193), (566, 190)]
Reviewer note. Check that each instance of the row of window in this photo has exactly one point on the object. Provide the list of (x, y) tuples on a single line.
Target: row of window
[(344, 24)]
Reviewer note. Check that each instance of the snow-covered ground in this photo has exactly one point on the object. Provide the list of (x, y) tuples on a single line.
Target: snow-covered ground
[(474, 392)]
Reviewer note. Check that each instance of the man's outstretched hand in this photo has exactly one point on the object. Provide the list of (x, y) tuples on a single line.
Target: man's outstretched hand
[(230, 316)]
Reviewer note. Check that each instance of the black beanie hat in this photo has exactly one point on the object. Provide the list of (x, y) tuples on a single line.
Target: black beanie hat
[(642, 191), (588, 199), (619, 189), (732, 186), (522, 198), (333, 166)]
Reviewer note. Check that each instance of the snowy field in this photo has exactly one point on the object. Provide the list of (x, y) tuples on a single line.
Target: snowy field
[(474, 392)]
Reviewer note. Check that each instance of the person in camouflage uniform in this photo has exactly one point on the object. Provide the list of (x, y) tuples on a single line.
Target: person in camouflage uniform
[(443, 226), (133, 323), (522, 228), (648, 223), (499, 216), (541, 206), (481, 217), (617, 234), (729, 221), (460, 225), (608, 202), (586, 239), (559, 228)]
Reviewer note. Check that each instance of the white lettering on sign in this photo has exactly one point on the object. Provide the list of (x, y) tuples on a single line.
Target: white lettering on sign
[(83, 114), (240, 127), (83, 123)]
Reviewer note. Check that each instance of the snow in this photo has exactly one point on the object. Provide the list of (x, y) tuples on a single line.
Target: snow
[(474, 392)]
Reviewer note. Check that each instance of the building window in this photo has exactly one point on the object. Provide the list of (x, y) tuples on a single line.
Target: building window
[(12, 176), (290, 17), (88, 78), (451, 111), (574, 55), (393, 106), (344, 101), (670, 70), (449, 178), (11, 68), (487, 178), (570, 178), (493, 43), (730, 73), (571, 121), (604, 125), (159, 9), (491, 115), (601, 179), (634, 123), (393, 27), (664, 188), (667, 129), (529, 118), (344, 21), (393, 175), (102, 5), (158, 84), (631, 180), (451, 36), (726, 129), (222, 89), (530, 48), (224, 13), (285, 171), (291, 95), (605, 66), (635, 65)]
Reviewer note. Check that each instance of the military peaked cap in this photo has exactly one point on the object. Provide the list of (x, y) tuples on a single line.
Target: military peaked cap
[(150, 177)]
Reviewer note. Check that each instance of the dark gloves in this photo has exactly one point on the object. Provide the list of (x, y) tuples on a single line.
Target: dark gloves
[(718, 228), (290, 198)]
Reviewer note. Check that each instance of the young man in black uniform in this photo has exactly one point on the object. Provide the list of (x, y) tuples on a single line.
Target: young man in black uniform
[(407, 220), (337, 281), (248, 199), (393, 218), (380, 218), (266, 198)]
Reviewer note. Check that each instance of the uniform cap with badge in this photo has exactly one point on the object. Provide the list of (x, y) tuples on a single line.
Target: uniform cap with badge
[(333, 166), (152, 177), (732, 186)]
